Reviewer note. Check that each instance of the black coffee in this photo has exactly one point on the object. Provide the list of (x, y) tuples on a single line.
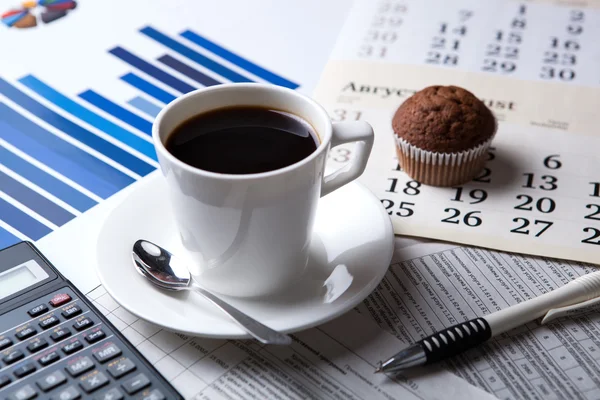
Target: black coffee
[(242, 140)]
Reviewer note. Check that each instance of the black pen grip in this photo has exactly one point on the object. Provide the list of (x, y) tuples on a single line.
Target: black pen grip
[(455, 339)]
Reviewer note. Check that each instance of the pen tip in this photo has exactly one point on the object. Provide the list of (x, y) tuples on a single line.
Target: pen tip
[(378, 369)]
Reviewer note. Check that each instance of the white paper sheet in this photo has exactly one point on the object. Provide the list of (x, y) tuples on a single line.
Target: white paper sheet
[(334, 361), (433, 285)]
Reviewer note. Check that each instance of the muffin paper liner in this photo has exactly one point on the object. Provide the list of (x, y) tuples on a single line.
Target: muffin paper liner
[(441, 169)]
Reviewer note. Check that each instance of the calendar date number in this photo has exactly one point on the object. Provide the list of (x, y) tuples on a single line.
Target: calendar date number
[(544, 205), (340, 155), (404, 209), (484, 176), (541, 226), (549, 182), (469, 219), (435, 57), (595, 214), (412, 188), (476, 195), (594, 238), (596, 189), (552, 162), (492, 65), (565, 74)]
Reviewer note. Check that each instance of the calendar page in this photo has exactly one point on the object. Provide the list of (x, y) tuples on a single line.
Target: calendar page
[(534, 64)]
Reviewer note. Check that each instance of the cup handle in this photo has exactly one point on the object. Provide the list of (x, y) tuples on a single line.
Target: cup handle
[(346, 132)]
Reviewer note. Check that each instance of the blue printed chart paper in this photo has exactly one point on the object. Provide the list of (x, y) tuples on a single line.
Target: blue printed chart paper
[(82, 81)]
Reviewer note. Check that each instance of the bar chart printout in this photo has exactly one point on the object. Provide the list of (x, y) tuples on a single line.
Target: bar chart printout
[(63, 153)]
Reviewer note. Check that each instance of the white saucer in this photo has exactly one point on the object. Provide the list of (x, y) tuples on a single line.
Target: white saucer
[(352, 246)]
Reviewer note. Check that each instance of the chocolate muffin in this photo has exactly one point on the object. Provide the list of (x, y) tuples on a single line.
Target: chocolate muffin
[(442, 134)]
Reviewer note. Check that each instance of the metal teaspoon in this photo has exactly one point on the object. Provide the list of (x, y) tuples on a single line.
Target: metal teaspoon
[(165, 270)]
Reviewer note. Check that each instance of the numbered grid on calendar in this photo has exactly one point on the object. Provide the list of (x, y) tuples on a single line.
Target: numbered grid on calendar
[(533, 193), (533, 199), (532, 41)]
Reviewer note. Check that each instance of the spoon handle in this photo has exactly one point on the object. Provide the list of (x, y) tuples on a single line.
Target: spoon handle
[(261, 332)]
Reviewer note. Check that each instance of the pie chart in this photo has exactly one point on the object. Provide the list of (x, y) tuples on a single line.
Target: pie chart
[(46, 10)]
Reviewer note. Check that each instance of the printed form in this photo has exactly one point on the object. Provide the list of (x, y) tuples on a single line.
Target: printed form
[(333, 361), (433, 285)]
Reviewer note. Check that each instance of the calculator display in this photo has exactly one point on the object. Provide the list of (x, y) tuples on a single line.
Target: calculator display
[(20, 277)]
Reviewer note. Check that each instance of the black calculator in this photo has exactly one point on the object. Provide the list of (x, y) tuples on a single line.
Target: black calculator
[(54, 344)]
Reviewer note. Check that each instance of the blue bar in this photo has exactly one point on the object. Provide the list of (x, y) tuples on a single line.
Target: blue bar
[(193, 55), (52, 185), (188, 71), (34, 201), (122, 135), (119, 155), (117, 111), (72, 162), (151, 70), (145, 106), (7, 238), (237, 60), (22, 222), (148, 88)]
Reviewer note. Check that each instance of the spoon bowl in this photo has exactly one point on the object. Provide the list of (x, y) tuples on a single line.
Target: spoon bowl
[(143, 273)]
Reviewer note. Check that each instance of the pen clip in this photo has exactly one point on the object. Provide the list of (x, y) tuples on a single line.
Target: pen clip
[(572, 310)]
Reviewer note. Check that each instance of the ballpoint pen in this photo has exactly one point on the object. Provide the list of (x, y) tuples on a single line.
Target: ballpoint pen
[(581, 292)]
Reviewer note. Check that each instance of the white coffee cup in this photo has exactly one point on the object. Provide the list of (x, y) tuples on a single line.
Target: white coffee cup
[(249, 235)]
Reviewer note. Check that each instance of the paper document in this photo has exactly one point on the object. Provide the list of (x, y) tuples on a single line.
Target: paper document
[(333, 361), (534, 65), (431, 285)]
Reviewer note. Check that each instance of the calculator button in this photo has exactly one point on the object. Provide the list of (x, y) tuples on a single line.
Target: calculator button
[(49, 322), (60, 299), (4, 380), (36, 345), (24, 370), (107, 352), (83, 324), (71, 311), (112, 394), (25, 393), (26, 333), (120, 367), (79, 366), (93, 381), (136, 383), (72, 347), (151, 395), (69, 393), (5, 343), (60, 334), (95, 336), (49, 358), (51, 381), (37, 310), (13, 356)]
